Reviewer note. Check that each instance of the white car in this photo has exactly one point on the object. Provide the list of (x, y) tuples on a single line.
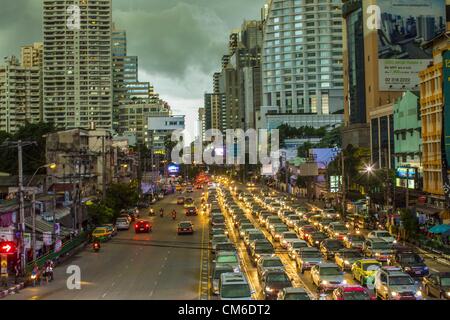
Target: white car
[(122, 224), (381, 234)]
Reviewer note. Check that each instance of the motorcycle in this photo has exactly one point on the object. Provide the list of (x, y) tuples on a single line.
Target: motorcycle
[(174, 215), (151, 212), (96, 246), (34, 278), (161, 213)]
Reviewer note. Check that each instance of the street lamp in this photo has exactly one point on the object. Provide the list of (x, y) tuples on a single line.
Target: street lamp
[(33, 206), (369, 168)]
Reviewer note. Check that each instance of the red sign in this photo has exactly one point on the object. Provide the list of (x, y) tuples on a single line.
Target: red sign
[(8, 247)]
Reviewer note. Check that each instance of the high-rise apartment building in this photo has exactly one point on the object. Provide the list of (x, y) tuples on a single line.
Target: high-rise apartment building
[(215, 111), (119, 55), (31, 55), (77, 72), (302, 56), (20, 95), (201, 123)]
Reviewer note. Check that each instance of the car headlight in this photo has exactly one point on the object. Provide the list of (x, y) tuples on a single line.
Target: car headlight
[(418, 293), (347, 262), (317, 242), (377, 254), (344, 281), (336, 233), (325, 282), (268, 289), (407, 269), (448, 294), (394, 294), (395, 241)]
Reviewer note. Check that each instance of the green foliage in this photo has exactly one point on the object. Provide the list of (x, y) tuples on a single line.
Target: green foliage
[(33, 156), (410, 223), (100, 214), (121, 196), (354, 161)]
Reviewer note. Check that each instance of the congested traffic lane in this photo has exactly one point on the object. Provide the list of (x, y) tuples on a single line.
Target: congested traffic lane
[(158, 265)]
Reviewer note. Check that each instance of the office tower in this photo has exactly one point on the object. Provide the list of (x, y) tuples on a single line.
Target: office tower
[(216, 82), (77, 75), (302, 57), (201, 123), (214, 111), (119, 54), (20, 95), (31, 55)]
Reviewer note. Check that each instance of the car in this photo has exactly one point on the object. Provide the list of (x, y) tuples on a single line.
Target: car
[(273, 281), (260, 247), (230, 258), (185, 227), (188, 202), (331, 214), (199, 187), (291, 220), (234, 286), (191, 211), (112, 228), (218, 239), (283, 214), (276, 230), (243, 227), (327, 276), (294, 246), (217, 271), (101, 234), (304, 232), (189, 189), (263, 218), (224, 246), (378, 249), (337, 230), (381, 234), (298, 224), (122, 223), (293, 294), (142, 226), (315, 238), (411, 263), (324, 224), (180, 200), (307, 258), (345, 258), (352, 292), (268, 262), (125, 215), (363, 270), (251, 235), (178, 187), (391, 283), (287, 237), (315, 220), (437, 285), (354, 241), (271, 220), (217, 220), (329, 247)]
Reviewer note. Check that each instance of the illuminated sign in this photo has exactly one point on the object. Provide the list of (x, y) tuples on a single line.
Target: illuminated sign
[(173, 169), (8, 247), (406, 172)]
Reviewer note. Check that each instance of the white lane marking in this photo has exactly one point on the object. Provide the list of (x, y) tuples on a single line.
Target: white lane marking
[(165, 258), (159, 273), (113, 284), (151, 293), (104, 295), (434, 270)]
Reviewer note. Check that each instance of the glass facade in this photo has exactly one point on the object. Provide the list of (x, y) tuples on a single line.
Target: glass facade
[(302, 56)]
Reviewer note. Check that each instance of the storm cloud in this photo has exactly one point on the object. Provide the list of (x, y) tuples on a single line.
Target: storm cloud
[(179, 42)]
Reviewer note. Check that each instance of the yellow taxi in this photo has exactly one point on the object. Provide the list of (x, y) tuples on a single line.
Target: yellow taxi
[(178, 187), (364, 269), (101, 233)]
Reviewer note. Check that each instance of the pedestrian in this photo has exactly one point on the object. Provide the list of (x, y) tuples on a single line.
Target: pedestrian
[(16, 273)]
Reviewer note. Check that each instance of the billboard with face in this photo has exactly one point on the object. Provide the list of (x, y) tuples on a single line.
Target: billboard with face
[(404, 27)]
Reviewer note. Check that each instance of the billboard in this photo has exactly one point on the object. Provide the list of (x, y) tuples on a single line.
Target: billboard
[(404, 27), (173, 169)]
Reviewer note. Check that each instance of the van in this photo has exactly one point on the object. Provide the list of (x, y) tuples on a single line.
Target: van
[(234, 286)]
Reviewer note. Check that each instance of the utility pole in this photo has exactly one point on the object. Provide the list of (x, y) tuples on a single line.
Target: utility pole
[(103, 169), (343, 184)]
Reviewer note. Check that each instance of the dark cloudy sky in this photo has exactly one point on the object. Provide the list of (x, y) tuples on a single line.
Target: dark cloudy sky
[(179, 42)]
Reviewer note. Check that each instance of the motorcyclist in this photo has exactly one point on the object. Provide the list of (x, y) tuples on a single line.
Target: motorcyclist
[(174, 214), (151, 212), (96, 245), (161, 212)]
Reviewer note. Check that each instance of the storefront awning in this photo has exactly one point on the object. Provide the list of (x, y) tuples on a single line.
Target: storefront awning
[(428, 210)]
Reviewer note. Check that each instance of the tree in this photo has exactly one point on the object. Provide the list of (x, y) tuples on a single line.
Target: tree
[(121, 196), (410, 224), (100, 214), (33, 156)]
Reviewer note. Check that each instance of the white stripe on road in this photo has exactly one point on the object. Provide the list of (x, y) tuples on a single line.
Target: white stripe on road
[(104, 295)]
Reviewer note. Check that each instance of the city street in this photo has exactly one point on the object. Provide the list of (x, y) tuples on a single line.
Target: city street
[(158, 265)]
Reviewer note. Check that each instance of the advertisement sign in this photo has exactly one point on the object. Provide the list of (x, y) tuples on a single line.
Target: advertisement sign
[(58, 245), (406, 172), (405, 26), (173, 169), (335, 183)]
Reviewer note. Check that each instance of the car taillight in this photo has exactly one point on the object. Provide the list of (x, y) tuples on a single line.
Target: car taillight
[(147, 225), (136, 226)]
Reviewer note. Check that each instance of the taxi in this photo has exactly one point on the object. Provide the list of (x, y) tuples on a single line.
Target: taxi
[(178, 187), (101, 233), (364, 269)]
